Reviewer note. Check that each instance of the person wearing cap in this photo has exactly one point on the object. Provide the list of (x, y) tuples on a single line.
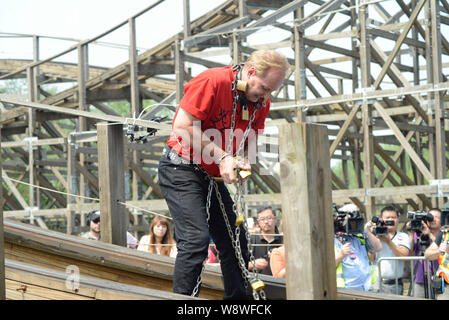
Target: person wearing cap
[(351, 254), (94, 233), (93, 222)]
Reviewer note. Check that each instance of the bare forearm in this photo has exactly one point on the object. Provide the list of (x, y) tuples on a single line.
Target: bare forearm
[(432, 252)]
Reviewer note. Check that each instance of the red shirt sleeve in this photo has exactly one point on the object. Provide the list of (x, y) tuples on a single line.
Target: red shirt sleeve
[(198, 97)]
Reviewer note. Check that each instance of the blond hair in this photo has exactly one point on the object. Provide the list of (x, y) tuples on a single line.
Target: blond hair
[(263, 60)]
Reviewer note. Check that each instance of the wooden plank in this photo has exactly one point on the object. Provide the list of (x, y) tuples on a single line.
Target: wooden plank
[(2, 241), (56, 285), (56, 251), (111, 168), (304, 156)]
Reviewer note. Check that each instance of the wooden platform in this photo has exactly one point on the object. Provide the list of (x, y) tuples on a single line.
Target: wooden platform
[(37, 262), (54, 252)]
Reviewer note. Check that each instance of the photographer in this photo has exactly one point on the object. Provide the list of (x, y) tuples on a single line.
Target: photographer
[(421, 236), (351, 249), (394, 244), (439, 250)]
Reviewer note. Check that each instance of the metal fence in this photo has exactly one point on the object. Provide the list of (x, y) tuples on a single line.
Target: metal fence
[(411, 260)]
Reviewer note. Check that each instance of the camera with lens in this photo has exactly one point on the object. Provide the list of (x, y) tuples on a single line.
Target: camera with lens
[(352, 225), (445, 219), (416, 219), (381, 226)]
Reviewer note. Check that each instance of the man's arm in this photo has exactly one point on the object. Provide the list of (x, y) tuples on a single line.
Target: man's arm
[(398, 251), (432, 252), (374, 244), (188, 128)]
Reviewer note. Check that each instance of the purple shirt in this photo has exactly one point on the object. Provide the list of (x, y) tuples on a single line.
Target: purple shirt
[(419, 278)]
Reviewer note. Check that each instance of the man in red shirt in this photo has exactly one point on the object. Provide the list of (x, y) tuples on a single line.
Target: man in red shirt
[(217, 119)]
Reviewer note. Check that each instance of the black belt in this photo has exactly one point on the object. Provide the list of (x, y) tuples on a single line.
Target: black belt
[(174, 157), (391, 281)]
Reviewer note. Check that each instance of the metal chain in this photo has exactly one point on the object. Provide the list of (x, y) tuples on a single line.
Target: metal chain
[(238, 199), (209, 195)]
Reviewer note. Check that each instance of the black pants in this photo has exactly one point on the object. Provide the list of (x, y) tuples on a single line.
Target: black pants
[(185, 189)]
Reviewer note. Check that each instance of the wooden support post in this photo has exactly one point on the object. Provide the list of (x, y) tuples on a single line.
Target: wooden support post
[(136, 105), (111, 168), (186, 12), (368, 151), (440, 138), (32, 155), (307, 211), (83, 67), (300, 68), (2, 241), (179, 70), (72, 185)]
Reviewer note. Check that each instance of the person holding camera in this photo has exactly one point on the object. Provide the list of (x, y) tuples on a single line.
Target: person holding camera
[(352, 247), (439, 250), (422, 232), (394, 244)]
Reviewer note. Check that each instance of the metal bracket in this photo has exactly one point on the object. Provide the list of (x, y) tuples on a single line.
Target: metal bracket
[(30, 210), (440, 183), (364, 99), (29, 141)]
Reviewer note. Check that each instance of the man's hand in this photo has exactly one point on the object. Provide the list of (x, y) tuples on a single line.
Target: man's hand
[(384, 238), (227, 168), (443, 247), (261, 263), (369, 226), (346, 249)]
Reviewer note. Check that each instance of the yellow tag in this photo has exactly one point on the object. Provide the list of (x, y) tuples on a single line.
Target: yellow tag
[(244, 174), (245, 114), (239, 220), (258, 285)]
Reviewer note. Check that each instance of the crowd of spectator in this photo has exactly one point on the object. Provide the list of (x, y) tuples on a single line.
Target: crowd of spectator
[(366, 260)]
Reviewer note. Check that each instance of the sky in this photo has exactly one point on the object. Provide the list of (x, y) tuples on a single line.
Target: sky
[(85, 19)]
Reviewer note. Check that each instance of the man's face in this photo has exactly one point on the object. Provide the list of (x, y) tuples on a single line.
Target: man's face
[(95, 225), (261, 86), (267, 221), (436, 223), (392, 216)]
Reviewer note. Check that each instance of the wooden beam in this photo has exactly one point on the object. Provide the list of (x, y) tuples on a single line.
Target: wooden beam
[(111, 170), (2, 241), (304, 156)]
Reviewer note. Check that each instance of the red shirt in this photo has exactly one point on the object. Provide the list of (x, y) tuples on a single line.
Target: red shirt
[(208, 97)]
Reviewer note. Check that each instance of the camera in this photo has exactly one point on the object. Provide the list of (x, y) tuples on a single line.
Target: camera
[(381, 226), (445, 218), (354, 224), (417, 218)]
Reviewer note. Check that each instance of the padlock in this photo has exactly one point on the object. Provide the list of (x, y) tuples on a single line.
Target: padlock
[(244, 174), (241, 85), (239, 220), (257, 284)]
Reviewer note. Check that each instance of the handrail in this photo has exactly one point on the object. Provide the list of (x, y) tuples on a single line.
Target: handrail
[(407, 258), (79, 44)]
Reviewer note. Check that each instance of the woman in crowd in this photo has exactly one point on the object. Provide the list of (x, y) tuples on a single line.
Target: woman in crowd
[(159, 241)]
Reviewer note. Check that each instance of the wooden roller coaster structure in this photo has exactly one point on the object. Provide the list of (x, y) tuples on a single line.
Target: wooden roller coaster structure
[(374, 72)]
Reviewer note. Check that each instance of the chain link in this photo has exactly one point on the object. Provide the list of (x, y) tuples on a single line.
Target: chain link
[(238, 200)]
